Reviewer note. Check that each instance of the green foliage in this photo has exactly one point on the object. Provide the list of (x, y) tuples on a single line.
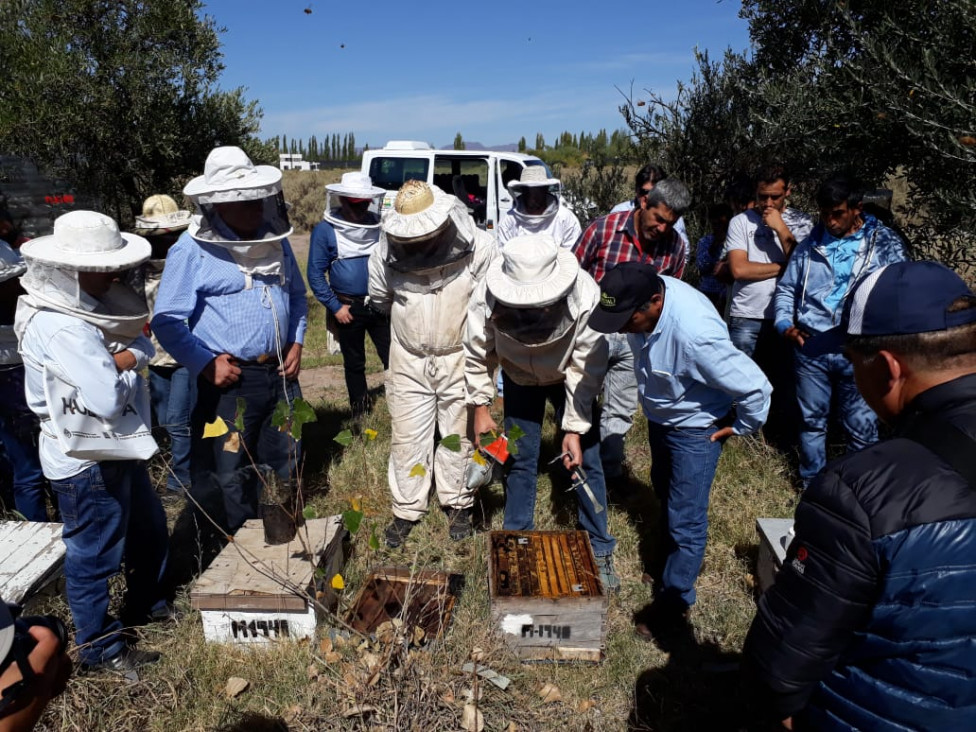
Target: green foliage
[(600, 184), (344, 438), (452, 443), (292, 418), (119, 97), (459, 142), (352, 519), (239, 414), (309, 513)]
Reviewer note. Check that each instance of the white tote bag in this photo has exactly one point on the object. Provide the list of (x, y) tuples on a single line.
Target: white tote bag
[(86, 436)]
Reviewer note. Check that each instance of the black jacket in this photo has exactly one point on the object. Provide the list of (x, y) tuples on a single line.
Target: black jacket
[(872, 621)]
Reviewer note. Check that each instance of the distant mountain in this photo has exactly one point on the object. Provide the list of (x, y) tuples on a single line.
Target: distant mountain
[(510, 147)]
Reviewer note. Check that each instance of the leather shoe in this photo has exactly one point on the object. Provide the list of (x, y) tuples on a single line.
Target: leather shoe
[(125, 662)]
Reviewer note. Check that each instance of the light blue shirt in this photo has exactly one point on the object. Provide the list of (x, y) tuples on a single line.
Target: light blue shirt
[(204, 308), (688, 371)]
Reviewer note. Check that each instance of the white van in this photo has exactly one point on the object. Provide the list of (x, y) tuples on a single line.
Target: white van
[(479, 178)]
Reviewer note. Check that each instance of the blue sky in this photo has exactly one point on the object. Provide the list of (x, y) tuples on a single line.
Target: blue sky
[(494, 71)]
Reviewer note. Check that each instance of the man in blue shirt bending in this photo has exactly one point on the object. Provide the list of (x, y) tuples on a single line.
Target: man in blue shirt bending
[(689, 375), (232, 309), (844, 248), (340, 247)]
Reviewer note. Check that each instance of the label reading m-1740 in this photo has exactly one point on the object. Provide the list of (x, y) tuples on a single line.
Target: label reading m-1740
[(560, 632)]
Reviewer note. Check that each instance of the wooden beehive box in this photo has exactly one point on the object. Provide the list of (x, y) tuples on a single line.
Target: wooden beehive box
[(419, 598), (547, 600), (774, 537), (243, 597), (32, 556)]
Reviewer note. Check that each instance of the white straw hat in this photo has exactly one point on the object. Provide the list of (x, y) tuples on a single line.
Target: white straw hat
[(533, 271), (419, 211), (229, 175), (161, 215), (87, 241), (533, 176), (355, 185)]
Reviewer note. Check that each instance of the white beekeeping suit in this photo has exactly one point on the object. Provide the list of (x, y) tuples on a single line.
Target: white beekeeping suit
[(538, 210), (428, 263)]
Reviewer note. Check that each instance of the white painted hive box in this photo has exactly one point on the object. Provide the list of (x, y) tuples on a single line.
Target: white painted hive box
[(775, 535)]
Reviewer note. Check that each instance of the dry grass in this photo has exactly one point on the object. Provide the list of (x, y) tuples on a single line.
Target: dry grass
[(294, 687)]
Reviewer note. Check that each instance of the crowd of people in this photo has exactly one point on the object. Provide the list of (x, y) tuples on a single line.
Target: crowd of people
[(870, 623)]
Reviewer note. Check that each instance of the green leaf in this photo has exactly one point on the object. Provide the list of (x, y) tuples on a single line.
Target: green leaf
[(302, 414), (239, 414), (374, 542), (280, 417), (486, 438), (319, 573), (351, 520), (344, 438), (310, 513), (514, 432), (418, 471), (452, 443)]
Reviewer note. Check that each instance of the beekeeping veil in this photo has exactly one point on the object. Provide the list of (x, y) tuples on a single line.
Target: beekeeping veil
[(428, 234), (242, 209), (86, 241), (531, 288), (353, 207), (534, 181)]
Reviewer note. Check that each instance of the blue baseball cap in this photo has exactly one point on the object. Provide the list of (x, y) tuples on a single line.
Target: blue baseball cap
[(906, 298)]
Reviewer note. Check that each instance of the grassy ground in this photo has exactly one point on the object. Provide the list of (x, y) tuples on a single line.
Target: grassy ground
[(300, 687)]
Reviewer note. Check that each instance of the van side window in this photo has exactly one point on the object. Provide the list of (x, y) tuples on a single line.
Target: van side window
[(466, 178), (391, 173)]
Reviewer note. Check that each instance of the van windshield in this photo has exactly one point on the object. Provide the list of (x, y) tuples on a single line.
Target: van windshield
[(391, 173)]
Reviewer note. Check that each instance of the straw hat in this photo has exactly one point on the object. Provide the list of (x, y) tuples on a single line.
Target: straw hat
[(87, 241), (533, 271), (161, 215), (419, 212), (533, 176), (355, 185), (229, 175)]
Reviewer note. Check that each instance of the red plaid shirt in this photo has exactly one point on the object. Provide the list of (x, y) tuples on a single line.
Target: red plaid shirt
[(612, 239)]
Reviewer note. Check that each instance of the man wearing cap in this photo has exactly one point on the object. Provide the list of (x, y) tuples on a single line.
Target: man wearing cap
[(232, 309), (644, 234), (81, 324), (340, 247), (845, 247), (689, 375), (172, 390), (18, 424), (428, 264), (871, 621), (538, 210), (529, 316)]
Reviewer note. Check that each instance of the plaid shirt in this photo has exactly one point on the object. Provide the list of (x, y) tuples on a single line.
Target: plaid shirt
[(612, 239)]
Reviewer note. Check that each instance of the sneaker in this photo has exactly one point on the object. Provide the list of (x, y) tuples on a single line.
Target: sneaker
[(125, 662), (398, 531), (608, 576), (459, 523)]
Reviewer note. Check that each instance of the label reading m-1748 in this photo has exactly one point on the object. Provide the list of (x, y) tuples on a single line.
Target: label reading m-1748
[(254, 628), (560, 632)]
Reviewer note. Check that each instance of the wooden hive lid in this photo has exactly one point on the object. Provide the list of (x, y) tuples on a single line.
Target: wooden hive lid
[(543, 564)]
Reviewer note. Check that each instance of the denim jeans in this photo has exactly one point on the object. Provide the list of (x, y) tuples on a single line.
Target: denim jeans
[(683, 463), (173, 395), (619, 403), (352, 343), (225, 477), (818, 380), (18, 433), (525, 406), (110, 513), (745, 332)]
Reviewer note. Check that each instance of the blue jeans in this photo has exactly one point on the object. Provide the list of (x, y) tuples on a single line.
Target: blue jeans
[(683, 463), (226, 481), (173, 394), (18, 432), (110, 513), (818, 379), (619, 403), (525, 406), (744, 333)]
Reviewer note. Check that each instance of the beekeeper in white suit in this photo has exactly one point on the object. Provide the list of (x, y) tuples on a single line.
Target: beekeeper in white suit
[(538, 209), (428, 263)]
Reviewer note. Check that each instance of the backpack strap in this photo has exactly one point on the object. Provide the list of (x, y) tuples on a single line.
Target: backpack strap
[(949, 442)]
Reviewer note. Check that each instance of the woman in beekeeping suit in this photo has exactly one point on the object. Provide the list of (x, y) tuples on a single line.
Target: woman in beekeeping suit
[(429, 261)]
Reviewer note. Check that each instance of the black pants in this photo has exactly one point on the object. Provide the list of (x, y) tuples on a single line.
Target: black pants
[(352, 343)]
